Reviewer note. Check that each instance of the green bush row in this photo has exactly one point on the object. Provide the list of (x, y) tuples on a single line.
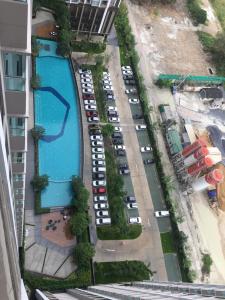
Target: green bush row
[(198, 14), (37, 205), (83, 46), (122, 20)]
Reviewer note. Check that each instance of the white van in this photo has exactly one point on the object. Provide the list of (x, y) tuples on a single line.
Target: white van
[(103, 221)]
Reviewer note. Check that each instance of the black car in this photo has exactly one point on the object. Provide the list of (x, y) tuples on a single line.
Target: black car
[(109, 92), (94, 131), (130, 199), (98, 176), (128, 77), (117, 135), (129, 82), (123, 166), (112, 113), (120, 152), (117, 141), (137, 116), (148, 161)]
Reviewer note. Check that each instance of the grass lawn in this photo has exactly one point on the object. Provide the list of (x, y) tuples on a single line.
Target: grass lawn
[(113, 233), (121, 271), (219, 7), (167, 242), (206, 39)]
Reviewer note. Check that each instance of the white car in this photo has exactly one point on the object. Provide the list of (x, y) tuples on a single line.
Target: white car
[(133, 101), (132, 205), (114, 119), (102, 213), (93, 119), (99, 183), (140, 127), (96, 144), (131, 91), (98, 163), (98, 150), (86, 80), (98, 169), (107, 87), (92, 101), (106, 74), (117, 129), (84, 71), (100, 198), (126, 68), (161, 213), (88, 91), (103, 221), (87, 85), (90, 107), (135, 220), (98, 156), (112, 108), (107, 82), (146, 149), (86, 76), (111, 97), (119, 147), (98, 206), (127, 72), (96, 137)]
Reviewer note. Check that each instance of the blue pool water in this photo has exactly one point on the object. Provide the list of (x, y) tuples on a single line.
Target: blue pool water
[(56, 109)]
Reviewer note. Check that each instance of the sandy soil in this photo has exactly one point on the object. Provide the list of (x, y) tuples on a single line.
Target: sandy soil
[(221, 190)]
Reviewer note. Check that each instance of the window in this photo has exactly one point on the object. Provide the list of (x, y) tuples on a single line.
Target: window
[(18, 191), (16, 126), (17, 157), (18, 177)]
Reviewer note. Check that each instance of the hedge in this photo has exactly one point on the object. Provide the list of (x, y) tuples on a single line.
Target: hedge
[(88, 47)]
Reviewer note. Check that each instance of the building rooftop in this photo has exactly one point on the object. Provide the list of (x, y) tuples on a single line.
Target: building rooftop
[(211, 93), (173, 140)]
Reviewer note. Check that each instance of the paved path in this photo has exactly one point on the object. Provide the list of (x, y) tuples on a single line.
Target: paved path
[(147, 247)]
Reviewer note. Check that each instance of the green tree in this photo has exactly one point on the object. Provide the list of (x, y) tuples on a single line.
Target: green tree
[(64, 42), (39, 183), (79, 223), (107, 130), (81, 200), (77, 184), (206, 264), (37, 132), (83, 253)]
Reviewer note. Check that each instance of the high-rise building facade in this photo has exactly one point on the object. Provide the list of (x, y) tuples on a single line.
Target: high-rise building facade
[(140, 290), (15, 52), (92, 17)]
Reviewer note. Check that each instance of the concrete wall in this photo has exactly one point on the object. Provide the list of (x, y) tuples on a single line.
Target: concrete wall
[(16, 103), (17, 143), (13, 24)]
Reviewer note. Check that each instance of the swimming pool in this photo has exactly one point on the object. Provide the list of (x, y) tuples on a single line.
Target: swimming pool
[(57, 110)]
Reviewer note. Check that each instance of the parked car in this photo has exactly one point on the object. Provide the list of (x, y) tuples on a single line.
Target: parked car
[(117, 129), (133, 101), (117, 141), (101, 206), (99, 190), (119, 147), (127, 72), (137, 116), (130, 199), (96, 137), (90, 107), (123, 166), (88, 96), (98, 156), (146, 149), (81, 71), (91, 113), (128, 77), (87, 91), (124, 68), (117, 135), (91, 101), (98, 163), (111, 108), (112, 113), (99, 169), (148, 161), (93, 126), (93, 119), (135, 220), (86, 75), (111, 97), (100, 198), (102, 213), (109, 92), (97, 150), (99, 183), (106, 73), (107, 87), (103, 221), (132, 205), (129, 82), (96, 144), (124, 172), (87, 80), (161, 213), (140, 127), (120, 152), (107, 82), (131, 91), (114, 119), (95, 131), (97, 176), (87, 86)]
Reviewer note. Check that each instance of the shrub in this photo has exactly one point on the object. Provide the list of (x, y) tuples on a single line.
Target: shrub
[(79, 223), (39, 183), (64, 42), (37, 132), (37, 205), (81, 200), (206, 39), (207, 263), (88, 47), (35, 46), (83, 253), (35, 81), (164, 83), (107, 130), (198, 14), (77, 185)]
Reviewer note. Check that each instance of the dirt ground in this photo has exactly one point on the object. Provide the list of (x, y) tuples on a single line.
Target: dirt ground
[(169, 38)]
